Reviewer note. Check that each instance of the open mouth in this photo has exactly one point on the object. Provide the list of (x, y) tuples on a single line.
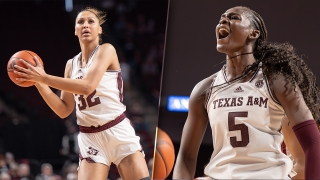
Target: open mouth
[(86, 33), (223, 33)]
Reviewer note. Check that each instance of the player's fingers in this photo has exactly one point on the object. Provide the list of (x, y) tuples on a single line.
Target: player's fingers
[(20, 73), (37, 61), (20, 68), (22, 79), (28, 65), (23, 70)]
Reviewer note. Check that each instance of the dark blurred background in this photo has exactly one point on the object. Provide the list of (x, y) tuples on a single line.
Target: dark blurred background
[(190, 51), (30, 133)]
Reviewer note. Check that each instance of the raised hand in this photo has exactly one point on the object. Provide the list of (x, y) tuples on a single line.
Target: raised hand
[(31, 73)]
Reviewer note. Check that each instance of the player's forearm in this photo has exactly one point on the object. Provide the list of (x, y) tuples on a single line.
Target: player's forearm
[(53, 101), (184, 169), (75, 86)]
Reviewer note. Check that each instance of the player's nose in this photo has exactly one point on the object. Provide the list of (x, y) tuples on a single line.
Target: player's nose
[(85, 24), (223, 21)]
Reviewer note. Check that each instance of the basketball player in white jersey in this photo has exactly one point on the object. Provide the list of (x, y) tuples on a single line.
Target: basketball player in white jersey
[(260, 86), (93, 84)]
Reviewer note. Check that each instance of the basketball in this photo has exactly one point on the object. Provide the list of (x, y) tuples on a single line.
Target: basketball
[(164, 156), (16, 59)]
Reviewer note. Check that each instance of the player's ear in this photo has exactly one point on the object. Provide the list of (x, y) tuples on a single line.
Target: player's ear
[(254, 34), (100, 30)]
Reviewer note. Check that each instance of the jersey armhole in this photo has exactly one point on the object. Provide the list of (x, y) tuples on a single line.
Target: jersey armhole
[(71, 68), (269, 90), (208, 95)]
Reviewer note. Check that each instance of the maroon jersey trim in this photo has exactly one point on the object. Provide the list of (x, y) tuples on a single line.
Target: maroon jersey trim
[(108, 125)]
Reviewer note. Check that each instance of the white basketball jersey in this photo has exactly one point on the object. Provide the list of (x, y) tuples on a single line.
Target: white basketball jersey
[(246, 122), (104, 104)]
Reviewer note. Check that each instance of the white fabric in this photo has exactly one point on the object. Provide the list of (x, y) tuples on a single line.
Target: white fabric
[(252, 107), (109, 92), (111, 145)]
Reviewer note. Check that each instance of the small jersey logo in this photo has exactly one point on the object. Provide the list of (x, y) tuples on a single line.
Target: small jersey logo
[(92, 151), (239, 89), (259, 84), (79, 74)]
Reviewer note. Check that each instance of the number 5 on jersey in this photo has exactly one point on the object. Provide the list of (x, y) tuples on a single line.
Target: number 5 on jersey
[(242, 127), (88, 101)]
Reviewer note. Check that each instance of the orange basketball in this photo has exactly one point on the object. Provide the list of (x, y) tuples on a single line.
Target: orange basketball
[(164, 156), (17, 59)]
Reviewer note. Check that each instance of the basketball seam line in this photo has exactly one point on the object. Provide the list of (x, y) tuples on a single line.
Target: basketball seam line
[(163, 161)]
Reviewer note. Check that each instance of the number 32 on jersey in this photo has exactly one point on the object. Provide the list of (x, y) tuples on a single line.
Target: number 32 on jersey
[(89, 101)]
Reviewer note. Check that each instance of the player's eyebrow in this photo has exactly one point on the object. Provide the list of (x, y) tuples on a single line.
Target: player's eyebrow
[(90, 17), (229, 14)]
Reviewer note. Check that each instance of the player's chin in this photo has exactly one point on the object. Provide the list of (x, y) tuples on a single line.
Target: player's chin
[(86, 38), (222, 48)]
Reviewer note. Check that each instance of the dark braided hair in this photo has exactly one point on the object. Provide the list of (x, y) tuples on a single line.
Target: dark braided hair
[(280, 59)]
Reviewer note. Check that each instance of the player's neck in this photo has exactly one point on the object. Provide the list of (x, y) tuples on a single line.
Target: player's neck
[(235, 65), (86, 51)]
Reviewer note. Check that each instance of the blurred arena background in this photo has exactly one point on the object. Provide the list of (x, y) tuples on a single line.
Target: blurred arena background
[(191, 55), (35, 141)]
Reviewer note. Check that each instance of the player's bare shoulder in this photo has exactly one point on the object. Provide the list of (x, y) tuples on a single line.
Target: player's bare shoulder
[(199, 93), (107, 48), (198, 97), (107, 55), (201, 87)]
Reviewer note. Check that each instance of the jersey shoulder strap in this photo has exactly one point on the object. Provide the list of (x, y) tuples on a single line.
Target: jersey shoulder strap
[(208, 92)]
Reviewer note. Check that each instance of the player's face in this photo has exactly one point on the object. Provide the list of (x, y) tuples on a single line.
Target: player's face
[(232, 31), (87, 26)]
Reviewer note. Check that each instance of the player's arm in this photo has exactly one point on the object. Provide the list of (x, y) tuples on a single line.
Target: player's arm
[(302, 121), (294, 148), (62, 106), (193, 132), (104, 58)]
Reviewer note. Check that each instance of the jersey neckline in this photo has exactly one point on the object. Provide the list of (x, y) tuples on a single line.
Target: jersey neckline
[(90, 58)]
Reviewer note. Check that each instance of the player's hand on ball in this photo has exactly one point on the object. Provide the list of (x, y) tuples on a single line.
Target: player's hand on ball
[(31, 73)]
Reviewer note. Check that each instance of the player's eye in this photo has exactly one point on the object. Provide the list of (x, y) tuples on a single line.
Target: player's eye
[(91, 21), (80, 21), (234, 17)]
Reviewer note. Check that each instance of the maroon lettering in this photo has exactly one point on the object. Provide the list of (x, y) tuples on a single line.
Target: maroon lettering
[(233, 102), (250, 103), (230, 102), (226, 103), (240, 101), (83, 104), (220, 102), (214, 103), (88, 101), (242, 127), (95, 101), (263, 102), (256, 101)]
